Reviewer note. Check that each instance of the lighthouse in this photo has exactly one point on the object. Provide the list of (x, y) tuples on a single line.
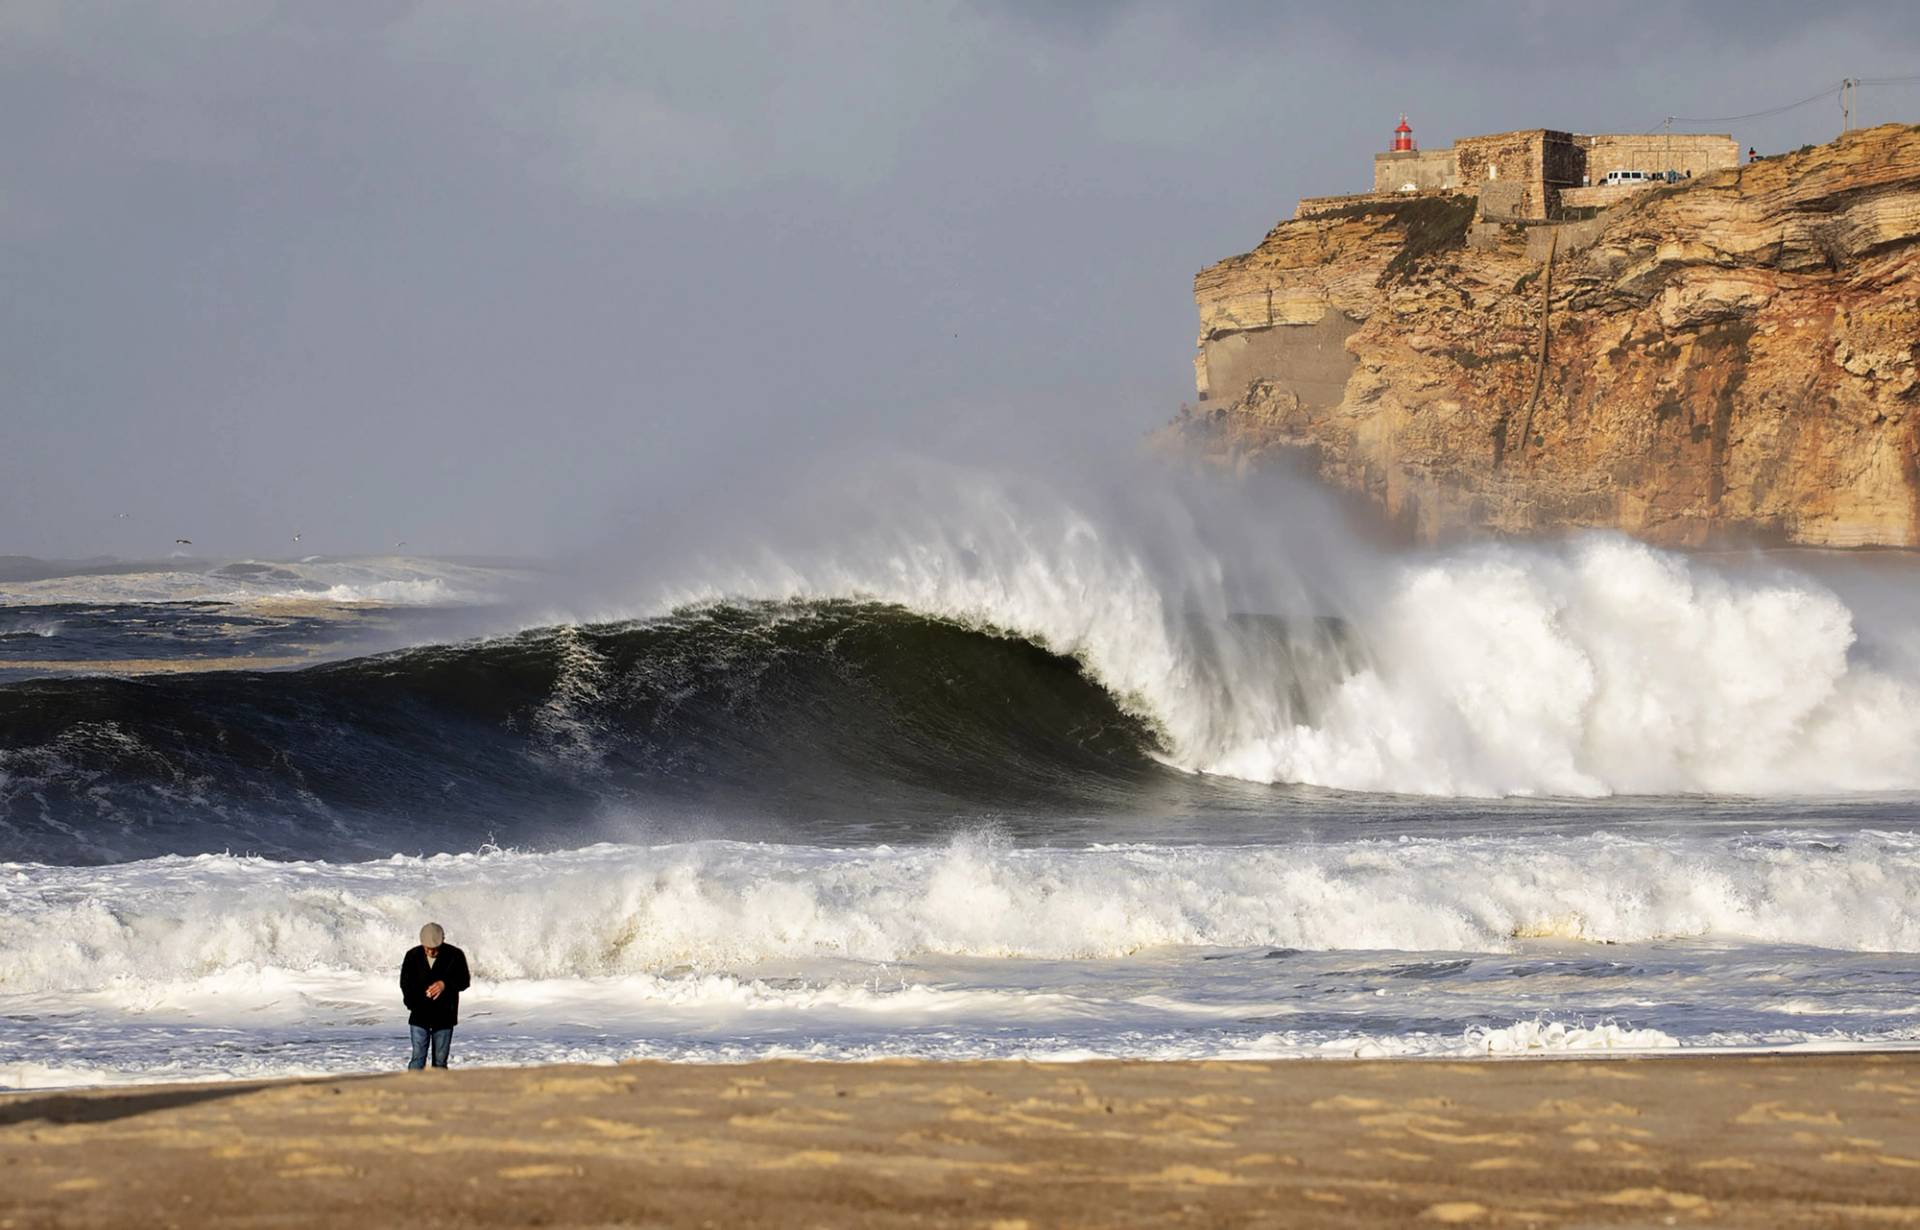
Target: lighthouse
[(1403, 136)]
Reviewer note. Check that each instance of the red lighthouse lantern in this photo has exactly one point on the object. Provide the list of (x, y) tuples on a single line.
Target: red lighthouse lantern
[(1403, 136)]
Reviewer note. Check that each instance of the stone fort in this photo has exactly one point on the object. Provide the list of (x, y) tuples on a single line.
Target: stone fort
[(1534, 173)]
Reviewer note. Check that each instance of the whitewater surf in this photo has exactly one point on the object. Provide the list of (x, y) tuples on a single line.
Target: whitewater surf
[(1003, 785)]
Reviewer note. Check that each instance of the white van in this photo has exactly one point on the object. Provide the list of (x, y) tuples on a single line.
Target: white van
[(1627, 177)]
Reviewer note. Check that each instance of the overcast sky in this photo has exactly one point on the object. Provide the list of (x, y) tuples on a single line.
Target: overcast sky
[(518, 277)]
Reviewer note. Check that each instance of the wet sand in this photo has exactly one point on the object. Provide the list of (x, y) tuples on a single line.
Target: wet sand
[(1813, 1140)]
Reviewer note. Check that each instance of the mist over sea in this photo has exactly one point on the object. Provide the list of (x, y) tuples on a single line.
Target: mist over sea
[(962, 764)]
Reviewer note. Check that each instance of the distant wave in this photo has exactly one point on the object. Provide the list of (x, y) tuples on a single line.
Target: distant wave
[(391, 580)]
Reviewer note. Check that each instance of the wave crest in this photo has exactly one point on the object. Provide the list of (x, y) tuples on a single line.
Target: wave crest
[(1595, 667)]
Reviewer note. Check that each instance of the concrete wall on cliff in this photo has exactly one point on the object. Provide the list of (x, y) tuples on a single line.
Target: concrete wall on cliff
[(1415, 170), (1730, 359), (1687, 153)]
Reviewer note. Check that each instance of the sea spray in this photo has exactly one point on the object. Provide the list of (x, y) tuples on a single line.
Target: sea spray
[(1588, 667)]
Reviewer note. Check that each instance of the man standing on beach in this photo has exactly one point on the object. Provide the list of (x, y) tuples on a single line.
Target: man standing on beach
[(431, 979)]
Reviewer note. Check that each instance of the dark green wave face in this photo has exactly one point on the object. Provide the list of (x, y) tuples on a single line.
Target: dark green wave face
[(836, 711)]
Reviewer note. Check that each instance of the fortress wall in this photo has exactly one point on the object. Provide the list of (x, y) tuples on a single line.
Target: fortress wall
[(1544, 162), (1598, 197), (1311, 205), (1683, 152), (1426, 170), (1532, 173), (1563, 162), (1509, 156), (1314, 206), (1502, 199), (1563, 239)]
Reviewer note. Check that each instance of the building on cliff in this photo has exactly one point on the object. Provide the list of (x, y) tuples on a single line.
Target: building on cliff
[(1535, 173), (1731, 358)]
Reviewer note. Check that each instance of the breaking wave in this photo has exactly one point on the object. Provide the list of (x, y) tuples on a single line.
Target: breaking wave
[(1045, 669), (1596, 667), (721, 905), (797, 708)]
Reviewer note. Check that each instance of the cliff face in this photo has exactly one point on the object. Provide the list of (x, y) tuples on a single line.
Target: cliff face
[(1731, 358)]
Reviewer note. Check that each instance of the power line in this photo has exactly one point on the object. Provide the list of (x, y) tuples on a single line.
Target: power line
[(1666, 123), (1754, 115)]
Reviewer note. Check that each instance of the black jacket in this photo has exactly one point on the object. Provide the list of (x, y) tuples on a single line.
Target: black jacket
[(450, 967)]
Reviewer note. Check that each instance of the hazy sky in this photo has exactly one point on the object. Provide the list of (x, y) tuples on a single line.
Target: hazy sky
[(519, 277)]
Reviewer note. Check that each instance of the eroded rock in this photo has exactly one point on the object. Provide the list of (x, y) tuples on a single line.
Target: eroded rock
[(1730, 358)]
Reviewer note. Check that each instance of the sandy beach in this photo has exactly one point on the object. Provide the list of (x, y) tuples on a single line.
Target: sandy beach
[(1814, 1140)]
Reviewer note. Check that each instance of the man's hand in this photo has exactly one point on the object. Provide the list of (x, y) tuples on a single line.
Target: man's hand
[(433, 991)]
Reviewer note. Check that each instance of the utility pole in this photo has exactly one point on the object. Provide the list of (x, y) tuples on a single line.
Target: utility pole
[(1848, 97), (1669, 149)]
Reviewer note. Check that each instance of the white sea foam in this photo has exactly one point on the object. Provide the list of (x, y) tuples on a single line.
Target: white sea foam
[(125, 1052), (1594, 667), (717, 906), (1557, 1037), (184, 968), (428, 591)]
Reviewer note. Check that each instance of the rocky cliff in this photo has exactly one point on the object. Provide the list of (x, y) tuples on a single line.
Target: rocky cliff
[(1731, 358)]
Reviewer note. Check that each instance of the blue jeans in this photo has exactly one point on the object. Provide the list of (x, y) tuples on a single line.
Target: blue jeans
[(442, 1040)]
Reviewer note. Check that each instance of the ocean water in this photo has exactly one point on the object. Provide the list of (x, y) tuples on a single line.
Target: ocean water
[(1008, 784)]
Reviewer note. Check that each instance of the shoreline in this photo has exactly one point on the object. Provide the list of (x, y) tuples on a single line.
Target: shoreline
[(1778, 1139), (145, 1083)]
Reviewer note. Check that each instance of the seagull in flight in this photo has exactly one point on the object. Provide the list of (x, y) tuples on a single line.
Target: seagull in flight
[(401, 543), (185, 542), (296, 538)]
